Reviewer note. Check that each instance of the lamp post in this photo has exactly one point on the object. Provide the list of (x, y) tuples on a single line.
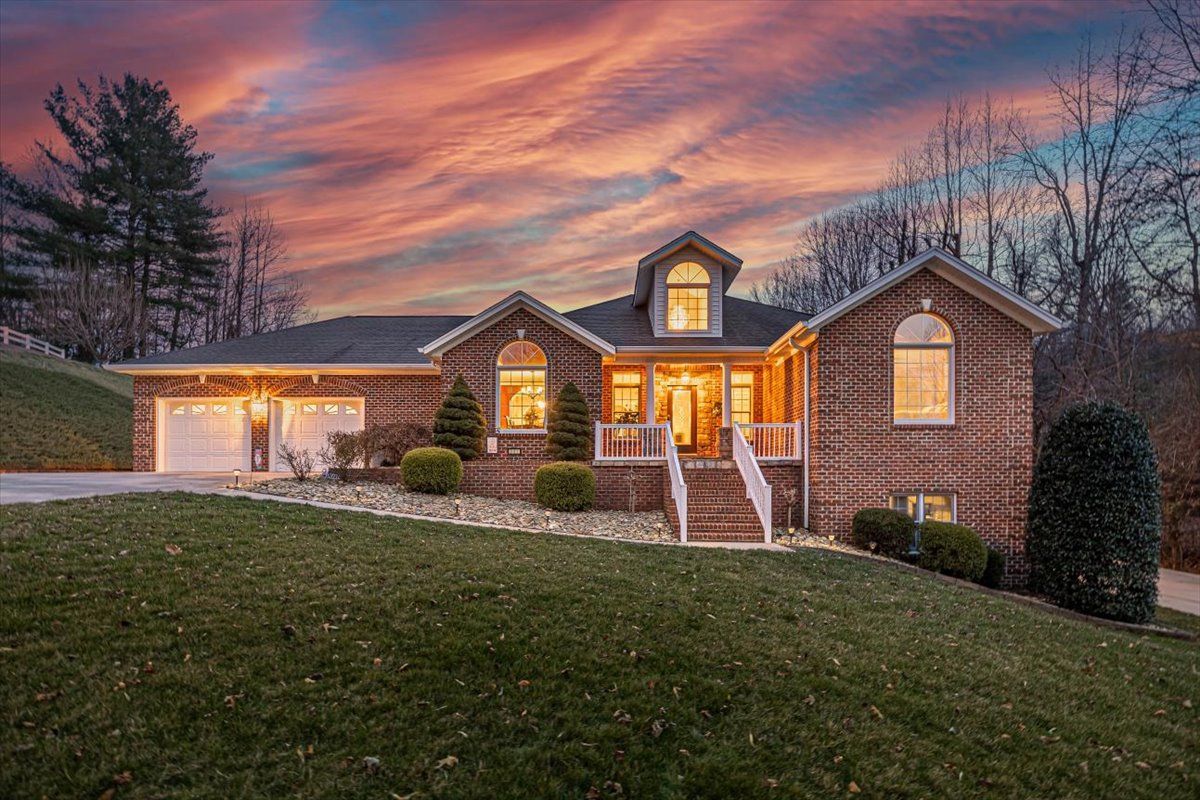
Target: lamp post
[(237, 478)]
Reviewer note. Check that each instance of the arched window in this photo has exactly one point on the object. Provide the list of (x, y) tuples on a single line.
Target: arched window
[(922, 364), (687, 297), (521, 387)]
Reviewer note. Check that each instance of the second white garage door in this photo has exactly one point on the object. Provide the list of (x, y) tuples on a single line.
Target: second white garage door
[(304, 423)]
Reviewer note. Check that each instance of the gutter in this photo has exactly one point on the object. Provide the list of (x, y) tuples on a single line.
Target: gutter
[(273, 369)]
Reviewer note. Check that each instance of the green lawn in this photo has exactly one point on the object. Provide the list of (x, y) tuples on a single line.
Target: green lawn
[(62, 414), (281, 644)]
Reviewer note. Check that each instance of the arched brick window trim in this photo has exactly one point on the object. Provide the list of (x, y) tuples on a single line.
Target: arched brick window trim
[(212, 387), (496, 368), (325, 386), (951, 348)]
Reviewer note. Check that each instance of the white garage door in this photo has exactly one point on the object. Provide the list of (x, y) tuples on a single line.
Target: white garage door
[(207, 434), (305, 422)]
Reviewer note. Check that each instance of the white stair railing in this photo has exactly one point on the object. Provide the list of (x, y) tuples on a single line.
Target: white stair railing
[(679, 490), (17, 339), (775, 441), (622, 442), (757, 489)]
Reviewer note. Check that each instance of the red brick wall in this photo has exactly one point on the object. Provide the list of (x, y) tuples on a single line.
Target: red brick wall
[(568, 359), (859, 457), (388, 398)]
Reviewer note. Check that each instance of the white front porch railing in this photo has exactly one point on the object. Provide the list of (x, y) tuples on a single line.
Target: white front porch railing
[(621, 442), (775, 441), (757, 488), (678, 487)]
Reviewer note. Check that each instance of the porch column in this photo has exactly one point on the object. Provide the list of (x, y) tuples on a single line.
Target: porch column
[(726, 393), (650, 393)]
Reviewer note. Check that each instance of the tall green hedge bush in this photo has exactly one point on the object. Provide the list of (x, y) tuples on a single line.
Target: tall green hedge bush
[(458, 424), (569, 429), (1095, 514)]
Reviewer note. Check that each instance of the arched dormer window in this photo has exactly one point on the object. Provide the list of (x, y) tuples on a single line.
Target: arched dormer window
[(687, 297), (922, 371), (521, 387)]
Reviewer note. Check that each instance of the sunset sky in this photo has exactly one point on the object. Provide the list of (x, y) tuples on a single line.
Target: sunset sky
[(434, 157)]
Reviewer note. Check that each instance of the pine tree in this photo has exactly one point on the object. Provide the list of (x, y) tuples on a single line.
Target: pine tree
[(569, 437), (459, 425)]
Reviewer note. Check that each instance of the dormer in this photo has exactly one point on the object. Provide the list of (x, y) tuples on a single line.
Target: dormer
[(682, 285)]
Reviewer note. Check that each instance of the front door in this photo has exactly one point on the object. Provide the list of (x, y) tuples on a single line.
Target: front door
[(683, 417)]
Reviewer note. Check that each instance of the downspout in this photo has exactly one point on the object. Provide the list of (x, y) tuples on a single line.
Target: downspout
[(806, 434)]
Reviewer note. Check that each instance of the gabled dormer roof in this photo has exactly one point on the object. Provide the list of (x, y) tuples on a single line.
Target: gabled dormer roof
[(514, 302), (730, 263)]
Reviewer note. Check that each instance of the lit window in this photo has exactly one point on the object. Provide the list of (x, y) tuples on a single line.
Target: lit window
[(331, 408), (687, 297), (350, 410), (220, 408), (922, 354), (308, 408), (741, 398), (198, 408), (521, 385), (627, 398), (178, 409), (921, 506), (239, 408)]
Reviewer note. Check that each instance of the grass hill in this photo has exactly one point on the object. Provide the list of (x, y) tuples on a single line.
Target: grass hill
[(62, 414)]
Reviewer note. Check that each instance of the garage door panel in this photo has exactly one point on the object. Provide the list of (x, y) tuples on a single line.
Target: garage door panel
[(207, 436), (305, 424)]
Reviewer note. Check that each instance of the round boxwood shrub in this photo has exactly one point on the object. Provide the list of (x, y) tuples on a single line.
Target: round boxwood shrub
[(952, 550), (890, 531), (1095, 520), (993, 573), (434, 470), (565, 486)]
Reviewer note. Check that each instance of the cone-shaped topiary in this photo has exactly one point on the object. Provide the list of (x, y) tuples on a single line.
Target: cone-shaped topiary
[(1095, 514), (569, 428), (459, 425)]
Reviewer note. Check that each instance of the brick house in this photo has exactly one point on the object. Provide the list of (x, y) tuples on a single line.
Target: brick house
[(733, 416)]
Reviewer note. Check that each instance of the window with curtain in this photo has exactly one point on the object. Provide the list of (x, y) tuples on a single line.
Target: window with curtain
[(741, 398), (687, 297), (521, 387), (922, 359)]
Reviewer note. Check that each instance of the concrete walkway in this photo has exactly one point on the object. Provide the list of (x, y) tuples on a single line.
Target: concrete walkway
[(1179, 590)]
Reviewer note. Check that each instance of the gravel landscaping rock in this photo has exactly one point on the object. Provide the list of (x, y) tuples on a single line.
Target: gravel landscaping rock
[(646, 526)]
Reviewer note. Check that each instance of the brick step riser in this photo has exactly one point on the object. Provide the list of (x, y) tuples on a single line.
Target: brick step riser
[(722, 537)]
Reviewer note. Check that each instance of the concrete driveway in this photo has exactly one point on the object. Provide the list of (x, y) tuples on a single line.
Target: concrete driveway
[(1179, 590), (34, 487)]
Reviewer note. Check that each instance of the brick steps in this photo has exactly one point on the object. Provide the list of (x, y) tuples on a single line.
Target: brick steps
[(718, 510)]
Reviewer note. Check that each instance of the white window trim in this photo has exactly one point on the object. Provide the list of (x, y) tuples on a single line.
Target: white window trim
[(668, 286), (952, 399), (921, 504), (545, 370)]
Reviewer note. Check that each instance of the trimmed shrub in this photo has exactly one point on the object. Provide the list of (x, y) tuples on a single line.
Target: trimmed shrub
[(458, 424), (890, 531), (569, 430), (1095, 514), (433, 470), (993, 573), (565, 486), (342, 450), (952, 550)]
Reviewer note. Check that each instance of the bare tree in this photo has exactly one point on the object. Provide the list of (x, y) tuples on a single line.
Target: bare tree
[(88, 310)]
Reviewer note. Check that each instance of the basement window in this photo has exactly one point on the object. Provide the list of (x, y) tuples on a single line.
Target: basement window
[(922, 506)]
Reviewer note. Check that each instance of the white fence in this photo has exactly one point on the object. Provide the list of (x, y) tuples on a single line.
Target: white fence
[(679, 490), (17, 339), (775, 441), (757, 488), (618, 442)]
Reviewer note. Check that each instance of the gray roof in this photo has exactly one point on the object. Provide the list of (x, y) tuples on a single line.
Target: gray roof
[(396, 340), (745, 323), (344, 340)]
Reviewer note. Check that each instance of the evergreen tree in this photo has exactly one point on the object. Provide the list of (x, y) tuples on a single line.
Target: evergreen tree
[(127, 197), (569, 435), (459, 425)]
